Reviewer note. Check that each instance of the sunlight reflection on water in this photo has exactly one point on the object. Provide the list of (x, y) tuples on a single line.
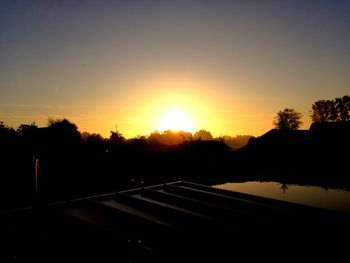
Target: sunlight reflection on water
[(334, 199)]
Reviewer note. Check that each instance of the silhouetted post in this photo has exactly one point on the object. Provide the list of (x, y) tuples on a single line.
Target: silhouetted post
[(38, 192)]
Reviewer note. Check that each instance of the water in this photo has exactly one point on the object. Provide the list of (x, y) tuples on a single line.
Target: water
[(334, 199)]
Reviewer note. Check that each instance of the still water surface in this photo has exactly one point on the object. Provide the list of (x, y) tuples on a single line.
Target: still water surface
[(334, 199)]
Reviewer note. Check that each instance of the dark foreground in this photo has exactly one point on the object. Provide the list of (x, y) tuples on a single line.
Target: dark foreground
[(176, 222)]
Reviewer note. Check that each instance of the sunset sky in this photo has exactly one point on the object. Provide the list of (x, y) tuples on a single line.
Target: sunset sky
[(229, 66)]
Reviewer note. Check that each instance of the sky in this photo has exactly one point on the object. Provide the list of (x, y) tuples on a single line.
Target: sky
[(230, 66)]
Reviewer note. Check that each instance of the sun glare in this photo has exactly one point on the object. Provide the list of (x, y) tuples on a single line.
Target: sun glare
[(175, 121)]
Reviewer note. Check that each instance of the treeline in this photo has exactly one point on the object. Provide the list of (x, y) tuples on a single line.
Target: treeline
[(75, 164), (165, 138), (337, 109)]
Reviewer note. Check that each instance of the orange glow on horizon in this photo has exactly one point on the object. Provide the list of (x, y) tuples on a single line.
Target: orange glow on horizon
[(167, 101), (175, 121), (176, 102)]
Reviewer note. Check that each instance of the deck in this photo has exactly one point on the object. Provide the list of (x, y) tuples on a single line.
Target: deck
[(171, 222)]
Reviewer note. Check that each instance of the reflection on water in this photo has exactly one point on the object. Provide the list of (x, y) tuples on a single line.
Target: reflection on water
[(335, 199)]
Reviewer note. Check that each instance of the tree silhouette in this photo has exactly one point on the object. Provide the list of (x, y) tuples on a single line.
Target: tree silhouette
[(324, 111), (63, 132), (288, 119), (203, 135), (116, 137), (331, 110), (342, 106), (7, 134), (25, 129)]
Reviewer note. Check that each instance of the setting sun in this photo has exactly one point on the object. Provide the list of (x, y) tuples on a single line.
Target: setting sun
[(176, 121)]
